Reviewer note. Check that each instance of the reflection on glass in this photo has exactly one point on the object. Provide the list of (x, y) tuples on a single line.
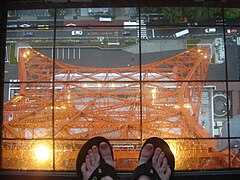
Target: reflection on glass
[(92, 83), (27, 155)]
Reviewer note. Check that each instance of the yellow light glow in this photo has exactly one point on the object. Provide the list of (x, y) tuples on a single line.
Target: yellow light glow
[(205, 56), (187, 106), (63, 107), (176, 106), (154, 91), (199, 50), (42, 152), (69, 96), (24, 55), (173, 150)]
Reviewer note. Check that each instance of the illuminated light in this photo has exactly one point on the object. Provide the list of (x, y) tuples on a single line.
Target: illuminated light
[(187, 106), (42, 152), (24, 55), (63, 107), (28, 52), (99, 85), (176, 106), (17, 99), (205, 56), (154, 91), (199, 50), (113, 85), (201, 53), (154, 96), (85, 85)]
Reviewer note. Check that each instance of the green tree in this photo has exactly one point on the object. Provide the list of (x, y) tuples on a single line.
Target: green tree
[(173, 14), (12, 13), (182, 14), (199, 14), (232, 13), (51, 12)]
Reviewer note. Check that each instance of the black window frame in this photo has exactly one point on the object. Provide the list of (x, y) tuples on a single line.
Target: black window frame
[(11, 4)]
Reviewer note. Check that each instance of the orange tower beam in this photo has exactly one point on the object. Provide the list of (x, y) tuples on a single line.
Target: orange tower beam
[(74, 102), (102, 101)]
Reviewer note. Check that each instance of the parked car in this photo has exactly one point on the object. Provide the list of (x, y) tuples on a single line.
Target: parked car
[(25, 25), (11, 25), (234, 30), (43, 26), (210, 30), (181, 33), (77, 33), (71, 24), (28, 34)]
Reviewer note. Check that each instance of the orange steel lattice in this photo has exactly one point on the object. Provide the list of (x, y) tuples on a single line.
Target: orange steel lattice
[(67, 102)]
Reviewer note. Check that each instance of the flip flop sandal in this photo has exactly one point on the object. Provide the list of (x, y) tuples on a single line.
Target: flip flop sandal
[(146, 168), (103, 169)]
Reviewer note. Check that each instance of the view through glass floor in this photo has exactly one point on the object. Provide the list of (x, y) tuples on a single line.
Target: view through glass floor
[(123, 74)]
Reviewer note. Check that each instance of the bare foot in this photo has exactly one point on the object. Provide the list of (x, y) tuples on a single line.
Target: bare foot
[(160, 164), (106, 154), (146, 153), (92, 160)]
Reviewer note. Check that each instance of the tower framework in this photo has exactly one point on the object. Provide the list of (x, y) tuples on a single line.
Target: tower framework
[(62, 105)]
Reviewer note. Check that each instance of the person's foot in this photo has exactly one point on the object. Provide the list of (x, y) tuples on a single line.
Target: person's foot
[(92, 160), (146, 153), (106, 154), (159, 162)]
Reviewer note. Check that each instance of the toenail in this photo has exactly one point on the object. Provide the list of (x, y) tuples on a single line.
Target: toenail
[(104, 146), (149, 147)]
